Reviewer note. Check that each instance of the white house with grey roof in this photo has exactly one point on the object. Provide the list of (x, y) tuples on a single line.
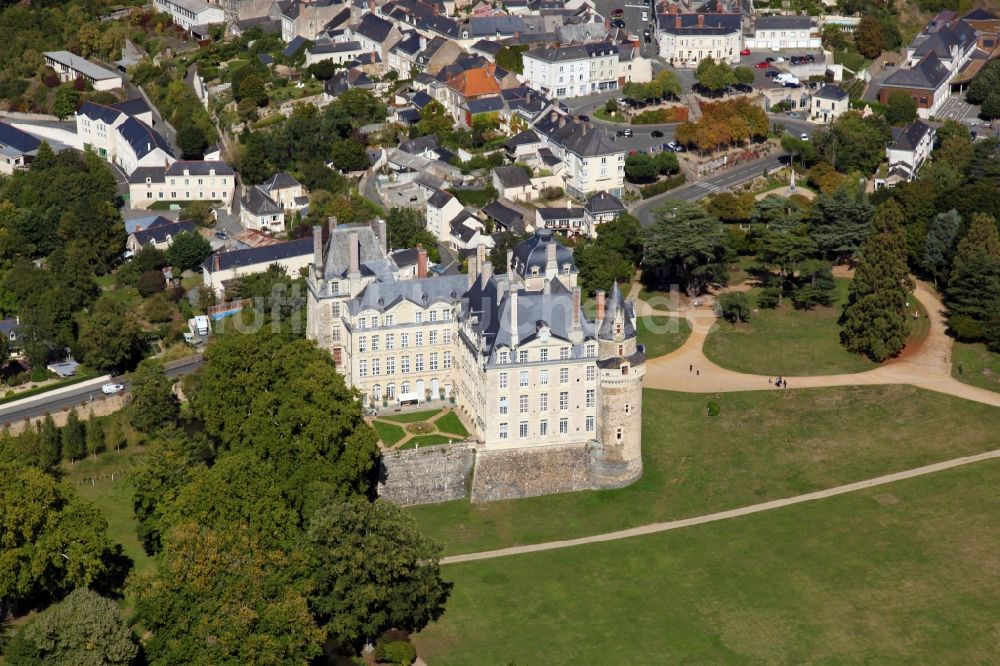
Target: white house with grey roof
[(829, 103), (784, 32), (686, 39), (593, 163), (572, 71), (259, 212), (190, 13), (336, 52), (189, 180), (222, 268), (513, 348), (71, 67), (910, 149), (119, 134)]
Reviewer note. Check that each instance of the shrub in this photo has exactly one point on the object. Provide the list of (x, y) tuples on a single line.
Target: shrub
[(662, 186), (734, 307), (159, 308), (149, 283), (396, 652), (713, 408), (672, 114), (768, 297)]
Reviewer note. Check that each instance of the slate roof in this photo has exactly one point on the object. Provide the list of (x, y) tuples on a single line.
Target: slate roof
[(512, 176), (462, 231), (532, 253), (258, 202), (508, 217), (374, 28), (715, 24), (521, 139), (371, 262), (420, 144), (82, 65), (421, 99), (574, 52), (199, 168), (158, 233), (560, 213), (132, 107), (260, 255), (326, 46), (832, 92), (615, 305), (484, 26), (440, 199), (423, 291), (17, 139), (783, 23), (535, 309), (280, 181), (485, 105), (409, 116), (405, 257), (410, 45), (911, 136), (94, 111), (293, 46), (487, 46), (265, 59), (603, 202), (929, 73), (979, 15), (574, 136), (142, 138)]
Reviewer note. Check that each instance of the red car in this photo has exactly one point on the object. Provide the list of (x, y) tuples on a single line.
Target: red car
[(745, 52), (762, 65)]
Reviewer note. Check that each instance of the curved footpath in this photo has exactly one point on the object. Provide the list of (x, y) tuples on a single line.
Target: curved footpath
[(928, 366)]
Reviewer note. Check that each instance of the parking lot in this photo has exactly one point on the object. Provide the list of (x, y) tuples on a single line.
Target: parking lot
[(802, 72), (957, 109)]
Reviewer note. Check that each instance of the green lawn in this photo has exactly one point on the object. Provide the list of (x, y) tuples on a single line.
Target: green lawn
[(764, 445), (976, 365), (388, 433), (786, 341), (900, 574), (662, 335), (450, 423), (426, 440), (411, 417)]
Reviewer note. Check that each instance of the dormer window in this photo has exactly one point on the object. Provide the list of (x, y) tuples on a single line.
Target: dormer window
[(211, 172), (187, 172), (148, 180)]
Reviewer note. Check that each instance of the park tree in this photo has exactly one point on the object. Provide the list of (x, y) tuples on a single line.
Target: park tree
[(84, 629), (252, 88), (814, 286), (714, 76), (274, 292), (973, 294), (53, 542), (154, 405), (686, 245), (875, 321), (110, 339), (743, 75), (188, 251), (222, 597), (901, 109), (640, 168), (734, 307), (940, 243), (150, 283), (776, 212), (853, 143), (284, 400), (96, 443), (797, 147), (986, 82), (868, 36), (116, 438), (730, 207), (49, 444), (600, 266), (839, 223), (373, 571), (990, 108), (74, 438)]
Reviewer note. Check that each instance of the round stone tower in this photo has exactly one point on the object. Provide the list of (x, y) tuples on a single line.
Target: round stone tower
[(617, 459)]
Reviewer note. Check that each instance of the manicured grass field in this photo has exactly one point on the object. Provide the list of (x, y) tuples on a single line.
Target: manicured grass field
[(976, 365), (450, 423), (411, 417), (426, 440), (786, 341), (900, 574), (662, 335), (388, 433), (764, 445)]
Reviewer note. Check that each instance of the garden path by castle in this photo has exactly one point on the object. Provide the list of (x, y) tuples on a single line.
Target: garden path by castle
[(654, 528), (926, 364)]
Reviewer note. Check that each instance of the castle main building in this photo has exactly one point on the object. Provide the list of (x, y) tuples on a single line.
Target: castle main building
[(513, 348)]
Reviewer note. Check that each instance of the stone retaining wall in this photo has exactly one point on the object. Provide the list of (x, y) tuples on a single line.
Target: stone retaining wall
[(527, 472), (426, 475)]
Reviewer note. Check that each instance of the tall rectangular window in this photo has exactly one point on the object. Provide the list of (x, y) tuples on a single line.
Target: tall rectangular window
[(543, 354), (503, 380), (590, 397), (434, 361), (362, 343), (523, 404), (523, 429), (523, 378), (590, 424), (446, 360), (564, 375), (564, 400), (543, 402), (503, 358), (446, 336), (591, 373), (543, 428), (563, 353), (418, 339), (404, 340), (563, 426), (362, 368), (434, 315), (418, 317), (419, 363), (522, 356), (432, 338), (375, 343), (390, 365), (543, 377), (375, 367), (503, 405), (404, 365), (503, 431)]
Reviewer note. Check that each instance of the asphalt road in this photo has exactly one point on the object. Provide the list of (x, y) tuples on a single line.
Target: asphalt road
[(80, 396), (720, 182)]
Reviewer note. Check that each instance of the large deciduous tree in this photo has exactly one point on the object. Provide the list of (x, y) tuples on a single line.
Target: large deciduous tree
[(875, 321), (372, 571), (154, 404), (686, 245), (110, 339), (188, 250)]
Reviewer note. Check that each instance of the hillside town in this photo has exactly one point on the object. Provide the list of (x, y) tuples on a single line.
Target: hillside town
[(319, 318)]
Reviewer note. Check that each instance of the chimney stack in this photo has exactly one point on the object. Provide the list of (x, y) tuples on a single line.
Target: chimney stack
[(480, 256), (550, 255), (513, 320), (317, 247), (485, 274), (421, 262), (577, 297), (332, 220), (216, 262), (354, 267), (547, 286), (383, 241), (510, 269), (677, 22), (474, 268), (600, 306), (701, 20)]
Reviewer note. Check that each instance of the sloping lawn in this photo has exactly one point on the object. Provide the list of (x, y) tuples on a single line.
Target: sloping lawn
[(764, 445), (976, 365), (662, 335), (900, 574), (786, 341)]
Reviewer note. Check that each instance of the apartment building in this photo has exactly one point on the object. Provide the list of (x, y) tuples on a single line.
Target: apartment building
[(572, 71), (182, 181)]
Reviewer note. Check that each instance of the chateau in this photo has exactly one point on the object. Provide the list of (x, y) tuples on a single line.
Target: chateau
[(512, 348)]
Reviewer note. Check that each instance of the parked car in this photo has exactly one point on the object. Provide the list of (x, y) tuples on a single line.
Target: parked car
[(222, 235), (618, 23), (762, 65), (769, 59), (438, 269), (627, 132), (791, 84), (770, 74), (745, 52), (675, 147), (656, 134), (112, 389), (804, 136), (584, 118), (779, 59), (811, 58)]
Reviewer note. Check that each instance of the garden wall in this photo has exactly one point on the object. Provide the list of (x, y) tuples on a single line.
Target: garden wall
[(527, 472), (426, 475)]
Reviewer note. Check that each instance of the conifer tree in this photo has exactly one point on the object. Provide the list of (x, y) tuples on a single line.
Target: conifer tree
[(982, 237), (875, 321), (74, 438), (974, 287), (49, 444), (95, 436)]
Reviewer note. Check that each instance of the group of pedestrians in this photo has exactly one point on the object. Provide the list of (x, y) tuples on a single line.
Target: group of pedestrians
[(779, 382), (697, 373)]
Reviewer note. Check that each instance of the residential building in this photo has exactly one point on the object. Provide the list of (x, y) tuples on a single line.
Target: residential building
[(190, 13), (467, 86), (601, 208), (182, 181), (687, 39), (258, 211), (246, 10), (566, 221), (309, 18), (910, 149), (17, 149), (442, 207), (829, 103), (513, 348), (336, 52), (71, 67), (784, 32), (223, 267), (927, 82), (10, 328), (117, 134), (159, 234), (513, 182), (285, 191), (572, 71), (374, 33), (505, 216), (593, 162)]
